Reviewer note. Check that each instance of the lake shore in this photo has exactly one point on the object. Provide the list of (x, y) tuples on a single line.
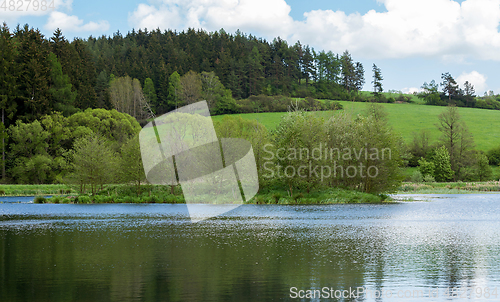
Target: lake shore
[(60, 193)]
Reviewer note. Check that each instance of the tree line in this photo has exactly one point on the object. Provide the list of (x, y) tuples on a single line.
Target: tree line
[(452, 94), (44, 74), (453, 157)]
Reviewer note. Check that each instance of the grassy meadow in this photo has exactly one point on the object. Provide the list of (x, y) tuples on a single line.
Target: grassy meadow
[(408, 118)]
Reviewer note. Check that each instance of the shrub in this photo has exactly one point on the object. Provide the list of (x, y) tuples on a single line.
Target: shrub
[(276, 197), (55, 199), (39, 199), (429, 178), (417, 177), (83, 199)]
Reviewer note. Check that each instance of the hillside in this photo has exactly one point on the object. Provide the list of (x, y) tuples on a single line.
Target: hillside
[(408, 118)]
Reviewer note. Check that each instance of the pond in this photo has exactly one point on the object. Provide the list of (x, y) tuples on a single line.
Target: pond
[(436, 249)]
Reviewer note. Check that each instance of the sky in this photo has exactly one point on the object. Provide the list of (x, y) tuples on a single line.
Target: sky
[(411, 41)]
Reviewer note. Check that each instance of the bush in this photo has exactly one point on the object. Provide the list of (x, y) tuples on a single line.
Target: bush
[(494, 156), (82, 199), (39, 199), (55, 199), (429, 178), (276, 197), (417, 177)]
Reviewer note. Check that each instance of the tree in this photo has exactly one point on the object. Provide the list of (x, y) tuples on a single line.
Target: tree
[(426, 167), (348, 73), (307, 64), (191, 87), (150, 94), (255, 72), (483, 170), (469, 94), (298, 131), (174, 90), (131, 168), (231, 126), (61, 89), (115, 126), (377, 80), (33, 97), (359, 77), (430, 94), (32, 162), (94, 163), (456, 138), (102, 91), (211, 88), (380, 151), (420, 147), (8, 89), (127, 97), (442, 166), (450, 86)]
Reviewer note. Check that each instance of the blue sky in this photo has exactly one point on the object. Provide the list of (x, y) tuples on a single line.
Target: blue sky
[(412, 41)]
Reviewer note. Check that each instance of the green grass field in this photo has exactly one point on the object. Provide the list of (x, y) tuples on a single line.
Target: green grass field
[(408, 118)]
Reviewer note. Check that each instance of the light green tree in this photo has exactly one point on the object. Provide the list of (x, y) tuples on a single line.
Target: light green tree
[(131, 169), (442, 165), (174, 90), (94, 163), (426, 167), (32, 163)]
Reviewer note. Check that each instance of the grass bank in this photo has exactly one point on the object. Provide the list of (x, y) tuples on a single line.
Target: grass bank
[(449, 187), (162, 194), (34, 190)]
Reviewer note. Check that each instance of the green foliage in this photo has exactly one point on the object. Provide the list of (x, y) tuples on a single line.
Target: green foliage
[(426, 167), (130, 167), (94, 163), (191, 88), (174, 91), (429, 178), (114, 126), (494, 156), (39, 199), (442, 165), (417, 177), (483, 169), (251, 130), (458, 141), (61, 90), (150, 93)]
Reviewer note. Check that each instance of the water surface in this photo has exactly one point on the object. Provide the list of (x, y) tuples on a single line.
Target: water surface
[(152, 252)]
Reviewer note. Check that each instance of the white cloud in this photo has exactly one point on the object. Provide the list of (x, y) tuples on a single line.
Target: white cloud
[(476, 79), (73, 23), (411, 90), (27, 8), (409, 28), (267, 17)]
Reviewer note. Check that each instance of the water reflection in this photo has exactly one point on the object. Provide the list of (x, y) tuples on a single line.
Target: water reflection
[(153, 252)]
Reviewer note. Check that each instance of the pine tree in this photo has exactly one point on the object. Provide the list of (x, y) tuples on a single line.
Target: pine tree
[(8, 89), (150, 94), (61, 89), (377, 80)]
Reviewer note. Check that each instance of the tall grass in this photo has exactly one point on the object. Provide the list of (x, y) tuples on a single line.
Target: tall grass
[(32, 190)]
